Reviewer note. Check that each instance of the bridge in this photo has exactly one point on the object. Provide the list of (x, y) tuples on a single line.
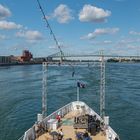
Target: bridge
[(96, 54)]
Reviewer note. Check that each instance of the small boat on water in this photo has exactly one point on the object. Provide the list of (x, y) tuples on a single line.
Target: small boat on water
[(74, 121)]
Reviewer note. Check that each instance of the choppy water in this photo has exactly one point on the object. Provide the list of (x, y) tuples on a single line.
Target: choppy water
[(20, 96)]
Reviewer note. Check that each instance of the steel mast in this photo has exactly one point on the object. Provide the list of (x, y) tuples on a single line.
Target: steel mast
[(102, 86), (44, 89)]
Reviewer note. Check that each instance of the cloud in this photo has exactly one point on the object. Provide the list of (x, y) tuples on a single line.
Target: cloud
[(4, 12), (128, 41), (63, 14), (134, 33), (5, 25), (100, 31), (120, 0), (53, 47), (31, 35), (3, 37), (130, 45), (105, 42), (91, 13), (127, 44)]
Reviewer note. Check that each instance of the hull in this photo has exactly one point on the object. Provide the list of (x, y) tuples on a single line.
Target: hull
[(76, 108)]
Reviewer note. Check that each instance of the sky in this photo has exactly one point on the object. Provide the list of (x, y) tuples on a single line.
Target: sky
[(80, 26)]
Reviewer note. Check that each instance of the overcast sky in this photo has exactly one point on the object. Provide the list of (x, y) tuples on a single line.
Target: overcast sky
[(81, 26)]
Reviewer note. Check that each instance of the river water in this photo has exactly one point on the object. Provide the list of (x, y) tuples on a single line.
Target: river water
[(21, 87)]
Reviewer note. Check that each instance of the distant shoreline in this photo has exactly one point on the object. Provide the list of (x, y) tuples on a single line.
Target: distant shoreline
[(37, 63), (16, 64)]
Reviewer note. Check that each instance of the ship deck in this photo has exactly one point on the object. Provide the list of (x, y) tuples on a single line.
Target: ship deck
[(69, 131)]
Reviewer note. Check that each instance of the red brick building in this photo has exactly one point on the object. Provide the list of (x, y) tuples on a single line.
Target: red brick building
[(26, 56)]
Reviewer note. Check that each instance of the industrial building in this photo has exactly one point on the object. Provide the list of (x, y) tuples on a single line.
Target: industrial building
[(5, 59), (26, 56)]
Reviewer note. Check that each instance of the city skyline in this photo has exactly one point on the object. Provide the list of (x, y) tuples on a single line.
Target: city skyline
[(80, 26)]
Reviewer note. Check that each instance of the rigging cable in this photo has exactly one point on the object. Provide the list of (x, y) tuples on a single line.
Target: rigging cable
[(54, 37), (51, 31)]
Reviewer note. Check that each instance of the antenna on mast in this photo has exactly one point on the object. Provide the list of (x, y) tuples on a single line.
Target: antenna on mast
[(102, 87), (51, 31)]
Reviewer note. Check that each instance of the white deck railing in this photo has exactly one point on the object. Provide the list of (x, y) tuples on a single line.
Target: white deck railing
[(30, 133), (111, 134), (21, 138)]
